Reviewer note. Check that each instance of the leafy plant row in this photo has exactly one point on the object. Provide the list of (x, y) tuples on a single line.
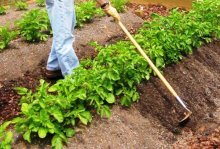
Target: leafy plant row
[(40, 3), (19, 5), (112, 76), (6, 36), (35, 25), (86, 11), (119, 4), (2, 10)]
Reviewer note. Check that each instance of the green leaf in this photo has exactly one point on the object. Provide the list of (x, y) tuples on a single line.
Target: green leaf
[(85, 117), (73, 122), (57, 142), (7, 146), (43, 115), (159, 62), (42, 82), (110, 98), (51, 131), (100, 91), (119, 91), (42, 132), (108, 85), (130, 83), (50, 125), (42, 104), (81, 94), (18, 120), (25, 108), (125, 101), (69, 132), (57, 115), (103, 77), (147, 77), (105, 111), (21, 90), (4, 126), (113, 75), (8, 137), (135, 96), (26, 136), (53, 88)]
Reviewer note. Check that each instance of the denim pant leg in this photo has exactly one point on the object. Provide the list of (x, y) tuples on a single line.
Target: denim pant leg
[(52, 62), (62, 52)]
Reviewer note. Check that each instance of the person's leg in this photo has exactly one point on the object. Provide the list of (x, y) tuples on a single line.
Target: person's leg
[(63, 26), (52, 62)]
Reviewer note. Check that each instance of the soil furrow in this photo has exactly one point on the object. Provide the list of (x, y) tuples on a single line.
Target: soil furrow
[(195, 82), (210, 59)]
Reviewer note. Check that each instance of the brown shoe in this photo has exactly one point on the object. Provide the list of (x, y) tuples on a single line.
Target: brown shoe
[(54, 74)]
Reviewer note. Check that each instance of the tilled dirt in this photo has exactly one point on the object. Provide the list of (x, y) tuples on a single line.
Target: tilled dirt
[(196, 80), (9, 99), (145, 11)]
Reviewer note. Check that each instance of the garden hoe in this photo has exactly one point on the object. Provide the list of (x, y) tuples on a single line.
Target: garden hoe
[(166, 83)]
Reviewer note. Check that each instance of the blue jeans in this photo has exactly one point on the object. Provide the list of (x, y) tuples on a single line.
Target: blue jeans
[(63, 20)]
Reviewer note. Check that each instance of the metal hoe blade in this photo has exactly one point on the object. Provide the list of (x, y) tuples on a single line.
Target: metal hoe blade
[(187, 115)]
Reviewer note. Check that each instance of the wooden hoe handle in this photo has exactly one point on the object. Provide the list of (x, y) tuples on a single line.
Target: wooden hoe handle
[(167, 84)]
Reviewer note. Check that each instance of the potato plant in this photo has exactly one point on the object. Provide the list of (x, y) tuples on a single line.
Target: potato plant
[(110, 77), (119, 4), (86, 11), (34, 25), (6, 36), (7, 136), (21, 5), (202, 13), (2, 10), (40, 3)]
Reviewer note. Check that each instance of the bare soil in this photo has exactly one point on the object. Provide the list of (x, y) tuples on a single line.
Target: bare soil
[(145, 11), (150, 123), (196, 79)]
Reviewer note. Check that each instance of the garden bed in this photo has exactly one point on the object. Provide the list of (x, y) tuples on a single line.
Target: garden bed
[(152, 122), (23, 64)]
